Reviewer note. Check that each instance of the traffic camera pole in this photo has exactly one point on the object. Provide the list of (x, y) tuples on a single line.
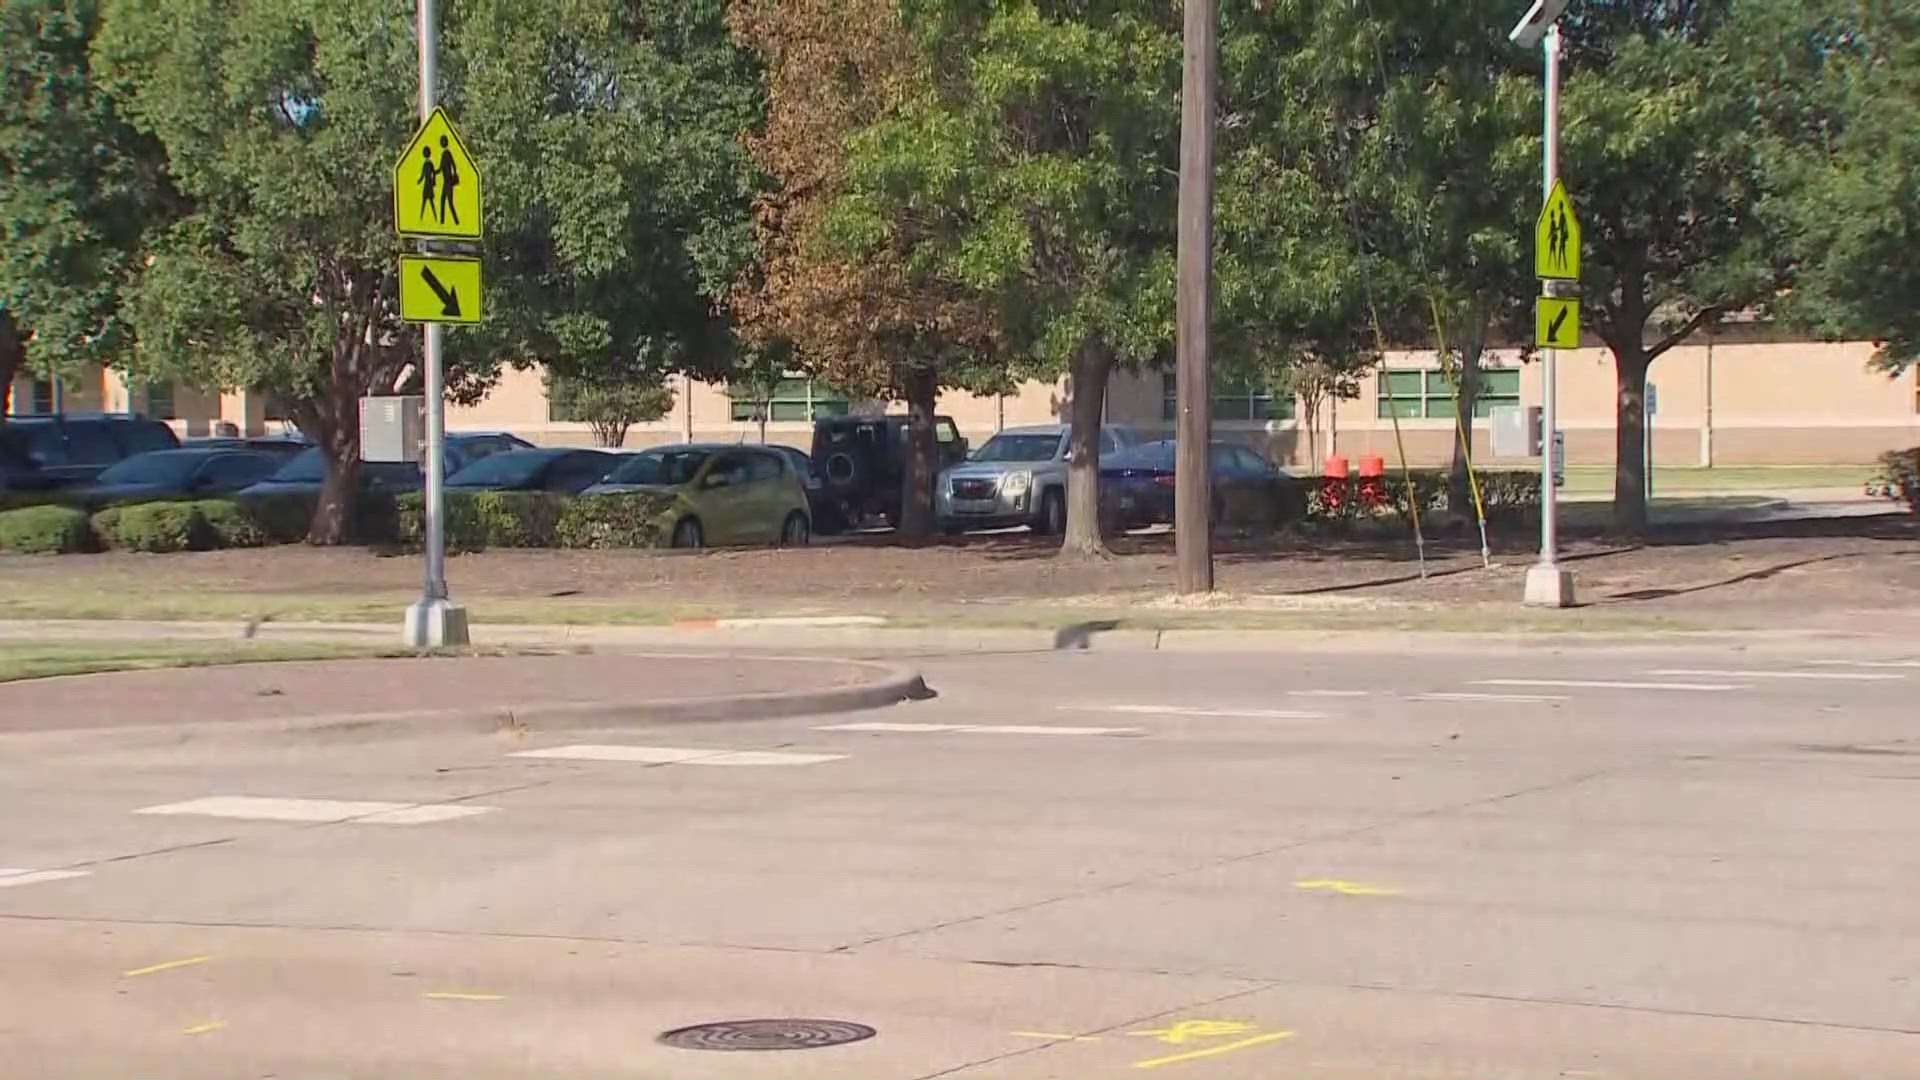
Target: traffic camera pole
[(433, 622), (1192, 492)]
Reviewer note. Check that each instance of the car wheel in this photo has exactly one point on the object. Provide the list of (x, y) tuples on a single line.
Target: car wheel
[(1053, 513), (796, 532), (689, 534)]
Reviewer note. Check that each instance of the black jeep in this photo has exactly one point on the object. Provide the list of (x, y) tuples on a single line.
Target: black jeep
[(861, 462)]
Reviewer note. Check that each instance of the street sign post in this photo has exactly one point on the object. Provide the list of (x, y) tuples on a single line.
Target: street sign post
[(439, 289), (436, 197), (1557, 323)]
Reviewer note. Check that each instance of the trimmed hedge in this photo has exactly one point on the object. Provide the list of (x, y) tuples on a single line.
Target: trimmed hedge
[(631, 519), (483, 519), (45, 530), (1511, 497), (157, 528)]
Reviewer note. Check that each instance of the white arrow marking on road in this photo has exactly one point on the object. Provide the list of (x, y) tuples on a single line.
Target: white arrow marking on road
[(1841, 676), (1607, 684)]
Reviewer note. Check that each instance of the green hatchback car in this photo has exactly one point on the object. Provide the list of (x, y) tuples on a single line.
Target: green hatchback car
[(722, 494)]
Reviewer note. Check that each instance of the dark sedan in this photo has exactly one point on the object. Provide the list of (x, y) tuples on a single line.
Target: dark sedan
[(559, 469), (178, 474), (303, 474), (1137, 486)]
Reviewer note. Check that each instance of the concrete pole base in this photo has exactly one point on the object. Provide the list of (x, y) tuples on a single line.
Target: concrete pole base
[(436, 624), (1549, 586)]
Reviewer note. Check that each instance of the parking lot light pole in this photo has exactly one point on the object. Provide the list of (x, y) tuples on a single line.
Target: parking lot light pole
[(433, 622), (1548, 583)]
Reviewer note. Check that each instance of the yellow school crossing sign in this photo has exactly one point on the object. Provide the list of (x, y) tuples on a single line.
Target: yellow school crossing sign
[(436, 188), (1557, 323), (438, 289), (1556, 238)]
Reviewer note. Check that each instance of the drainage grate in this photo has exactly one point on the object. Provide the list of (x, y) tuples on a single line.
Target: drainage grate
[(766, 1035)]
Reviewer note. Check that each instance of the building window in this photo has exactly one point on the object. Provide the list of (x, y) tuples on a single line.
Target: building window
[(802, 400), (43, 395), (160, 401), (1427, 393), (1234, 398)]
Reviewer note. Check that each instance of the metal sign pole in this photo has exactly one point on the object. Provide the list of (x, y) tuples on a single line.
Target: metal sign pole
[(433, 622), (1548, 584)]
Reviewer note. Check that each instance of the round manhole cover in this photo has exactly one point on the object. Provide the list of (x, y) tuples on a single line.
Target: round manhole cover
[(766, 1035)]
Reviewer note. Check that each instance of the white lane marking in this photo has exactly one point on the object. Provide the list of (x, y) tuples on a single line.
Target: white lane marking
[(1839, 676), (1178, 710), (676, 755), (1492, 697), (901, 728), (10, 878), (326, 810), (981, 729), (1867, 663), (1329, 693), (1605, 684)]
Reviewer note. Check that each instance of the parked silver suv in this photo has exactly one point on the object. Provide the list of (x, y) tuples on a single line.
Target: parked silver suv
[(1019, 477)]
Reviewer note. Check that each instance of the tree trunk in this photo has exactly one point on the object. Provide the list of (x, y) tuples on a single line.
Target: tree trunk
[(1459, 490), (1086, 411), (917, 520), (13, 357), (1629, 446), (335, 516)]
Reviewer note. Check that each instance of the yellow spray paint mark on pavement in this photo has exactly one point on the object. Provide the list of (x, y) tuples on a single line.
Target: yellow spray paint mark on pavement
[(1345, 888), (1189, 1031), (1215, 1051), (455, 995), (168, 966), (203, 1028), (1056, 1036)]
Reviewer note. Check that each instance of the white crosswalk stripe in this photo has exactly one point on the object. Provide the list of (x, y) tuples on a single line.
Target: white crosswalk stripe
[(677, 755), (1867, 663), (249, 807), (1833, 676), (1606, 684), (1512, 698), (10, 878), (979, 729), (1182, 710)]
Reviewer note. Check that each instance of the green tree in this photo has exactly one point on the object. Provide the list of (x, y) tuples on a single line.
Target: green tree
[(1842, 106), (78, 188), (608, 403), (616, 194), (1034, 173), (1656, 152)]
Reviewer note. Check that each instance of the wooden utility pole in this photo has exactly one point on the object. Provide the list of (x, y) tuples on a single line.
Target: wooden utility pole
[(1193, 488)]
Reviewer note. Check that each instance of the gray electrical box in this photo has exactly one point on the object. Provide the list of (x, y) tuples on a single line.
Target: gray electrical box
[(1516, 431), (393, 428)]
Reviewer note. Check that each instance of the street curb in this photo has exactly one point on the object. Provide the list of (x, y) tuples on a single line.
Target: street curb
[(891, 685)]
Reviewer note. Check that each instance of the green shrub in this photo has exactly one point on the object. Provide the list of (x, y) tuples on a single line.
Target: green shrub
[(232, 526), (1898, 479), (1511, 497), (281, 519), (630, 519), (482, 519), (155, 527), (45, 530)]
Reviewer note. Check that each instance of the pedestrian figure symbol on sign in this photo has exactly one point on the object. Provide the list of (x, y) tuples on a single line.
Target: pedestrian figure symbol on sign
[(1556, 254), (427, 174), (449, 179)]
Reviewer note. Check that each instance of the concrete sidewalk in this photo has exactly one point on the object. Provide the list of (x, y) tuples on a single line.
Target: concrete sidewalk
[(472, 692)]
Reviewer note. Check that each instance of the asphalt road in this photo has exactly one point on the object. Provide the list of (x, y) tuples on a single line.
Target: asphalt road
[(1685, 863)]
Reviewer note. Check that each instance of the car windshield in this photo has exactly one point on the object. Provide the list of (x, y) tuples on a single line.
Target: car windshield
[(510, 469), (666, 468), (161, 468), (1019, 448)]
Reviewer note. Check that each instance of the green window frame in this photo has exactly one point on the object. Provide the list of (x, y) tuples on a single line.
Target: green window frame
[(793, 399), (1234, 398), (1427, 393)]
